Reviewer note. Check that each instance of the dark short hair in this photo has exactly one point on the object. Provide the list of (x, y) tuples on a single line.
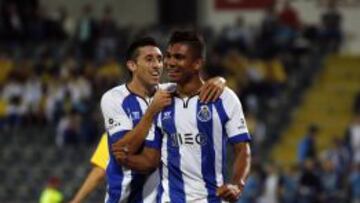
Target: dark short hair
[(192, 39), (133, 51)]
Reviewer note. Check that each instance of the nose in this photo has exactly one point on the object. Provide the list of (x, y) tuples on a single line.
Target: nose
[(170, 62), (158, 65)]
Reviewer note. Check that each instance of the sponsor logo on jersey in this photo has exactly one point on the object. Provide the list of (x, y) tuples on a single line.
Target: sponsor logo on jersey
[(135, 115), (189, 139), (167, 115), (113, 123), (242, 124)]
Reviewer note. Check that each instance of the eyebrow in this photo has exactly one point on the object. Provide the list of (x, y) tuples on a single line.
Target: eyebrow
[(153, 55)]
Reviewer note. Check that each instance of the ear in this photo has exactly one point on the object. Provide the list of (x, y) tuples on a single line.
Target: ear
[(198, 64), (131, 65)]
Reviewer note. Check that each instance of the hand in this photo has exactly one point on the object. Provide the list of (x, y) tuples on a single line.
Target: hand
[(229, 192), (160, 100), (212, 89), (120, 153)]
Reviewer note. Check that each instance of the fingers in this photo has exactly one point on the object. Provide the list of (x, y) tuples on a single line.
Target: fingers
[(221, 190), (120, 152), (212, 95), (204, 92), (161, 99), (211, 91), (201, 92), (216, 95), (229, 192), (119, 146), (228, 195), (121, 157)]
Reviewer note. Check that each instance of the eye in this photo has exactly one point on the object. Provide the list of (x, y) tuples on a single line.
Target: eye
[(149, 59), (179, 56)]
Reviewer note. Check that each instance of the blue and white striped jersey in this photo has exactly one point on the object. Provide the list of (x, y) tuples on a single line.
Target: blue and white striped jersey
[(122, 110), (193, 146)]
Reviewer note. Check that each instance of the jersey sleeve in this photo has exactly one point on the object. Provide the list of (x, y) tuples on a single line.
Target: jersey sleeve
[(117, 122), (100, 157), (236, 127)]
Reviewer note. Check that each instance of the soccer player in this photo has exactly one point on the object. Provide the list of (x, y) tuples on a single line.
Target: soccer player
[(193, 134), (128, 112), (99, 160)]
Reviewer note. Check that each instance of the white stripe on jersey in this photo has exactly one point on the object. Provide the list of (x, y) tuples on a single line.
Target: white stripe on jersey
[(218, 145), (125, 184), (165, 171)]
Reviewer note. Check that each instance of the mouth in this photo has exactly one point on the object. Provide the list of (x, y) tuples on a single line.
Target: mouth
[(173, 72), (155, 74)]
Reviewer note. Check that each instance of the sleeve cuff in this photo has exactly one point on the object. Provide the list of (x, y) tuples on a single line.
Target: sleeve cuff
[(116, 136), (244, 137)]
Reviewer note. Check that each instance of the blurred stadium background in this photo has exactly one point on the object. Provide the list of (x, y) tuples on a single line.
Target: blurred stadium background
[(294, 65)]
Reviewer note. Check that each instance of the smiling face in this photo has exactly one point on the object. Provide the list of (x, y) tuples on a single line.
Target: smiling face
[(147, 66), (180, 63)]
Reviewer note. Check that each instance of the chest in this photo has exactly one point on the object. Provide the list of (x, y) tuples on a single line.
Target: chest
[(188, 125)]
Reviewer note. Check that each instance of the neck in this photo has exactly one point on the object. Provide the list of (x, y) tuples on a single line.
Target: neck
[(190, 87), (141, 89)]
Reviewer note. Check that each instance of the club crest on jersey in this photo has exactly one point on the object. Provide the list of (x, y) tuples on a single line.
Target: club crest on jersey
[(204, 113)]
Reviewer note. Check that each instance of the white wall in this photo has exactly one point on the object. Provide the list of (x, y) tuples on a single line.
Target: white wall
[(134, 12), (309, 12)]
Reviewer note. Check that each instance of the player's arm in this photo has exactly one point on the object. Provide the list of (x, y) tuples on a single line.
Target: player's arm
[(212, 89), (148, 159), (239, 137), (119, 125), (241, 169), (97, 174), (95, 177), (145, 162), (134, 138), (242, 162)]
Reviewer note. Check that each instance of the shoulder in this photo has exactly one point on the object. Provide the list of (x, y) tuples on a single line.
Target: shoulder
[(230, 99), (228, 94), (117, 94)]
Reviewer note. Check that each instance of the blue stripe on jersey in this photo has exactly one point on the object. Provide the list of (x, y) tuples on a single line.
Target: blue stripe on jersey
[(156, 143), (221, 111), (115, 171), (160, 189), (176, 182), (224, 118), (132, 108), (205, 126), (136, 185), (244, 137)]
